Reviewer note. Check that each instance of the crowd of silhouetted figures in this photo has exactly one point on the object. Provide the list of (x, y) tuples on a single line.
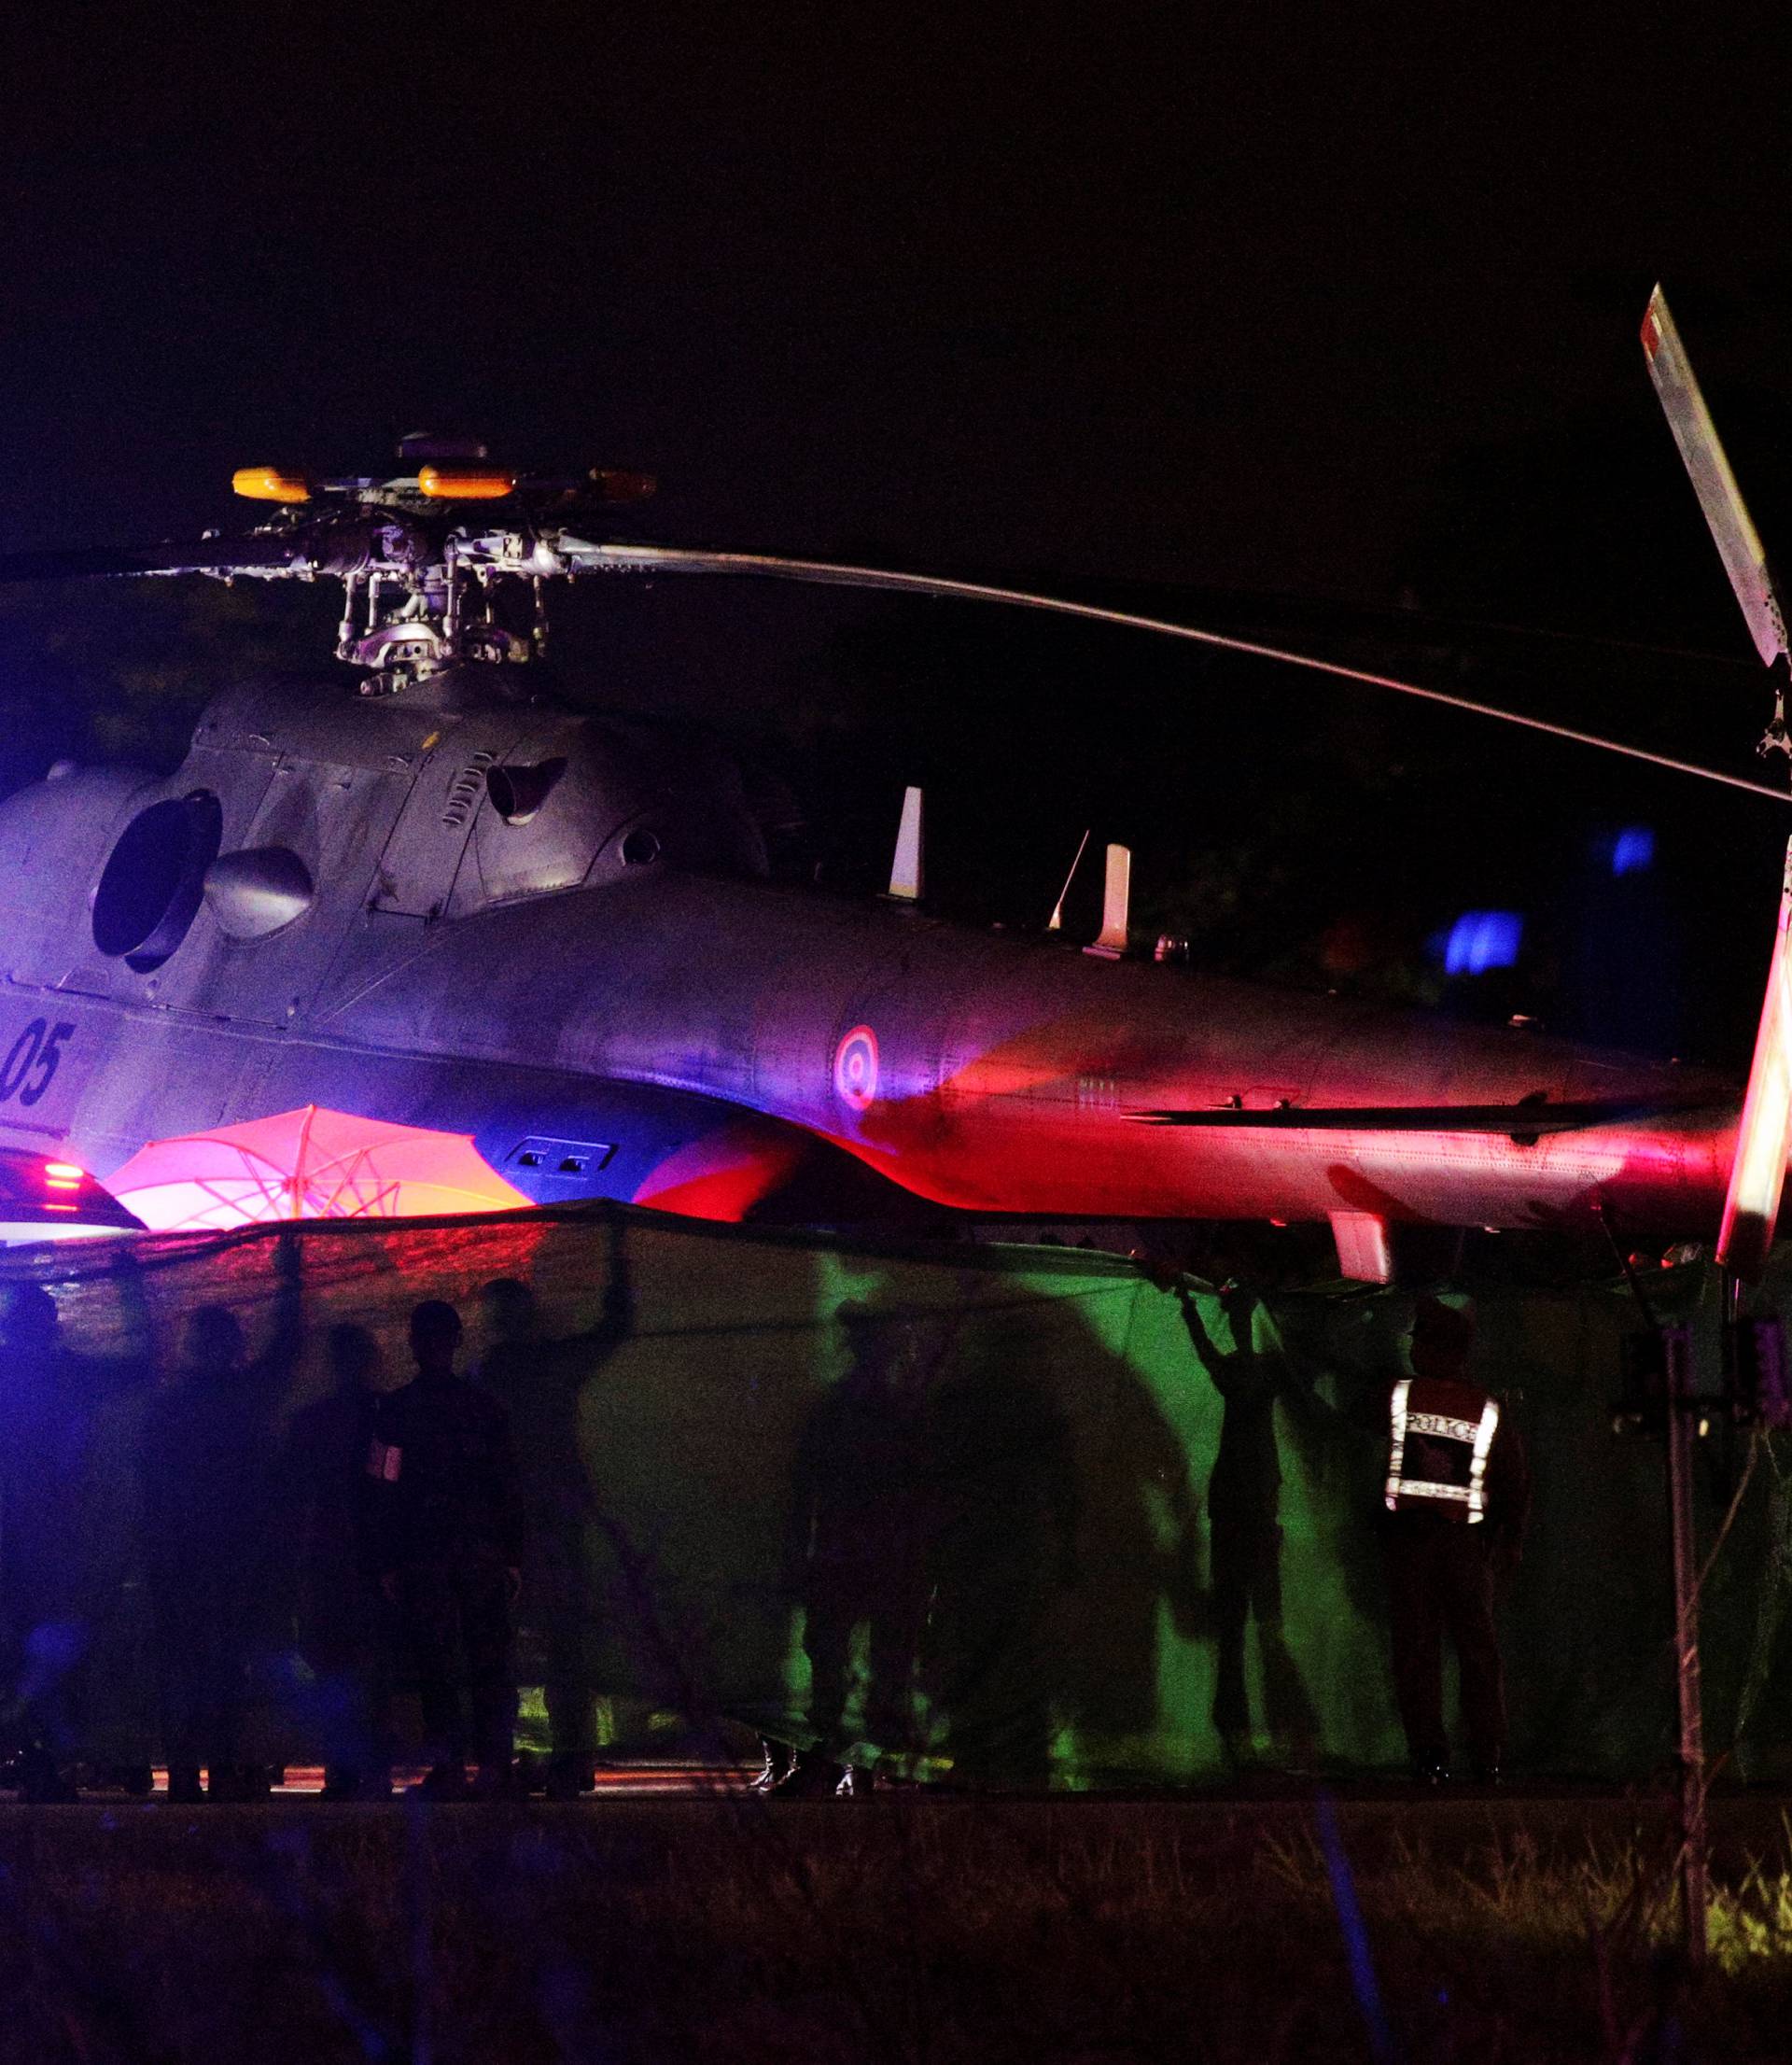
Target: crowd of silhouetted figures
[(197, 1575), (940, 1513), (193, 1574), (189, 1578)]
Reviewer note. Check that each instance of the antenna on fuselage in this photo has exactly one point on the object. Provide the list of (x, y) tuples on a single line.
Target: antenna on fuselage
[(1056, 921), (906, 868), (1116, 895)]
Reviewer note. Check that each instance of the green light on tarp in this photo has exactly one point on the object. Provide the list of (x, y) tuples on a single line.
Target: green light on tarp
[(1053, 1468)]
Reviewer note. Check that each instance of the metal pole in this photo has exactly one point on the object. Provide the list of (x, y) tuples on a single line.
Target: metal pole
[(1694, 1874)]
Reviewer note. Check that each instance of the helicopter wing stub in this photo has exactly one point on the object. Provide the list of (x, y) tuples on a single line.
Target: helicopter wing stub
[(1738, 543), (574, 554)]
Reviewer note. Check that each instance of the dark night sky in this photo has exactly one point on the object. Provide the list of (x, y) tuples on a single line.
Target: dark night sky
[(1176, 294), (1324, 301)]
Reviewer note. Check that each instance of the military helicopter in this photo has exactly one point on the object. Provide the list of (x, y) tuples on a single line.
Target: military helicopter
[(443, 899)]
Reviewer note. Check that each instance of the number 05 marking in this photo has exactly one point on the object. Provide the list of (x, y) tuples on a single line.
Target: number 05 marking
[(32, 1061)]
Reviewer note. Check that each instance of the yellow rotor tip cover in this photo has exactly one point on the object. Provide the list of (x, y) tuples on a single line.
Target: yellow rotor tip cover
[(268, 483), (453, 483)]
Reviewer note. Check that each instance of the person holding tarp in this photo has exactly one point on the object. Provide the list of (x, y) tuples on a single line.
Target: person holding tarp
[(43, 1424), (1456, 1498), (544, 1381), (856, 1542), (1002, 1547), (338, 1613), (1243, 1503), (445, 1533), (209, 1475)]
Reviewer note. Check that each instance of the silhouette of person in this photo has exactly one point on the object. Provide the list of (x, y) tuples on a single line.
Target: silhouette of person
[(445, 1532), (115, 1690), (855, 1552), (543, 1381), (1243, 1504), (43, 1423), (1139, 1550), (209, 1473), (337, 1607), (1004, 1544)]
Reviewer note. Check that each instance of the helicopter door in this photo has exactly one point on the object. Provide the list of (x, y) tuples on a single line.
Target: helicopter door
[(423, 855), (329, 820)]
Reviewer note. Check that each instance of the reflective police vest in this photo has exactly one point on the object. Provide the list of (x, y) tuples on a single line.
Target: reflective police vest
[(1442, 1435)]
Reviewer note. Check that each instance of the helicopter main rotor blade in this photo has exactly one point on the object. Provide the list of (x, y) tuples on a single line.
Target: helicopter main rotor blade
[(1764, 1134), (579, 554), (1738, 543), (217, 555)]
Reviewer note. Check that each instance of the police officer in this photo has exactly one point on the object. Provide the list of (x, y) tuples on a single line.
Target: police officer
[(445, 1531), (1456, 1495)]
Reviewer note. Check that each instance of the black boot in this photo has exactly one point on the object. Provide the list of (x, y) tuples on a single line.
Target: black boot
[(812, 1777), (779, 1761), (496, 1779), (40, 1782), (569, 1776)]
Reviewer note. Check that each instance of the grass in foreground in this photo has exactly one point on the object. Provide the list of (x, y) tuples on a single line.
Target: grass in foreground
[(904, 1931)]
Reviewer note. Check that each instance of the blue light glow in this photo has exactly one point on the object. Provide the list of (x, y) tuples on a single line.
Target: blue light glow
[(1633, 849), (1483, 939)]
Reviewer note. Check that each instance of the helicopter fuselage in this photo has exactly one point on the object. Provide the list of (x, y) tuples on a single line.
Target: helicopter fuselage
[(554, 932)]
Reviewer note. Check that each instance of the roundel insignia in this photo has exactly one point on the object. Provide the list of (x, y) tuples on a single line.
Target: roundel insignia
[(855, 1067)]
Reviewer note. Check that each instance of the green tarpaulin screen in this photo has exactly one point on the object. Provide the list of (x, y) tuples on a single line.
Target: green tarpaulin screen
[(953, 1507)]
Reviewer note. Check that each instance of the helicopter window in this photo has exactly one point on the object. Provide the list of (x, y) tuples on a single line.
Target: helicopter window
[(151, 886), (640, 848)]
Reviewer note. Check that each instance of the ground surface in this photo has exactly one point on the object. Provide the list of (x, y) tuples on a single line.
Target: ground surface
[(674, 1916)]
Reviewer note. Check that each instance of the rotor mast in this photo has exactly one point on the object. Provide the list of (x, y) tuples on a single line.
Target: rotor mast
[(423, 588)]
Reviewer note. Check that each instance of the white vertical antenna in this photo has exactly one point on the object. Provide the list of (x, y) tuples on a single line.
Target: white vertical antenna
[(1116, 897), (905, 869), (1056, 921)]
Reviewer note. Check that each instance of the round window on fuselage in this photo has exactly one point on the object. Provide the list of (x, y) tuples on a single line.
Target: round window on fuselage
[(152, 884)]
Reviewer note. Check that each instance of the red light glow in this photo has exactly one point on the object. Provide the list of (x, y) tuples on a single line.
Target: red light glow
[(724, 1174)]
